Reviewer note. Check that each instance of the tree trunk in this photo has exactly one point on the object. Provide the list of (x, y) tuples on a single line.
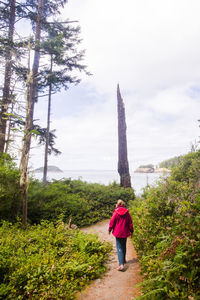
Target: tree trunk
[(30, 102), (7, 77), (8, 139), (48, 129), (123, 166)]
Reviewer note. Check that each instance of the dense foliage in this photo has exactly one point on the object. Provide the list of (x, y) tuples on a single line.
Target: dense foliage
[(167, 222), (86, 203), (47, 261), (171, 163), (10, 195)]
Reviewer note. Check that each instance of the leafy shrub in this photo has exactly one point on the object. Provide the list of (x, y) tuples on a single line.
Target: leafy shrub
[(171, 163), (167, 222), (47, 261), (86, 203), (10, 195)]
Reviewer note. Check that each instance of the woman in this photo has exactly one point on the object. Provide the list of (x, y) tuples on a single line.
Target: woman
[(121, 226)]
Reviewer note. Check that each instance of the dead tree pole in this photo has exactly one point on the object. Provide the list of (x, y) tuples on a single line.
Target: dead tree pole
[(123, 166)]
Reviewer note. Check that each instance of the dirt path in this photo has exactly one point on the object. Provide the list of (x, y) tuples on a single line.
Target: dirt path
[(114, 285)]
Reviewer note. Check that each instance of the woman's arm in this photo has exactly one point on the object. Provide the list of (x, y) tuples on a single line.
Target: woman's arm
[(112, 222), (130, 223)]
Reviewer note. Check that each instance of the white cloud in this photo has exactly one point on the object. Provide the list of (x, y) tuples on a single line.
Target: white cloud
[(171, 101), (142, 44), (152, 49), (89, 141)]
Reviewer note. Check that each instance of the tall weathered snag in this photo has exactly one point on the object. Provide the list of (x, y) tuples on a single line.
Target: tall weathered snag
[(123, 166)]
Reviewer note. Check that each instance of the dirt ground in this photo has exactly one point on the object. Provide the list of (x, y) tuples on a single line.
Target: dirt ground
[(114, 285)]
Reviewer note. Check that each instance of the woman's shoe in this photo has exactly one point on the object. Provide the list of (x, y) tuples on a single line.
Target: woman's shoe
[(121, 268)]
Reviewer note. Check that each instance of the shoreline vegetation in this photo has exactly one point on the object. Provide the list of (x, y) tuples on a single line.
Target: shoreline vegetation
[(166, 237), (164, 167), (50, 260)]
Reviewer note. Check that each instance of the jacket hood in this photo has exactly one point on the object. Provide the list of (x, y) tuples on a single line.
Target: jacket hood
[(121, 210)]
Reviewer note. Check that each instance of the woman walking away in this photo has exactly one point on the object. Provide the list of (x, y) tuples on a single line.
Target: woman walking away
[(121, 226)]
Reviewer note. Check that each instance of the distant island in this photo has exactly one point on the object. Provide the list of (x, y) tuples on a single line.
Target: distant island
[(49, 169), (150, 169), (163, 167)]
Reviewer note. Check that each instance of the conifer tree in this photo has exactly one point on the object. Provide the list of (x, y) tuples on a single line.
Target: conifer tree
[(30, 101), (43, 9), (8, 69), (61, 47), (37, 79)]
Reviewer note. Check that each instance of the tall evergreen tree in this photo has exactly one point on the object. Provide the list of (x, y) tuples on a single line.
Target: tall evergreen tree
[(39, 18), (36, 79), (7, 74), (30, 101), (12, 48), (61, 47)]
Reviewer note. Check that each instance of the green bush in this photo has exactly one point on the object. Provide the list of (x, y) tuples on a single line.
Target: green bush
[(47, 261), (166, 237), (171, 163), (10, 195), (86, 203)]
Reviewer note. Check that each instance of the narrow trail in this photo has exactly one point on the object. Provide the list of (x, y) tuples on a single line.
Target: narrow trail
[(114, 285)]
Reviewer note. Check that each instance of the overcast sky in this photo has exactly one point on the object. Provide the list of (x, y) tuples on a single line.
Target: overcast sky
[(152, 49)]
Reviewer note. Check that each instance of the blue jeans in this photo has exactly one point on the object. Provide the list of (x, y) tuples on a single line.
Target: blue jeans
[(121, 249)]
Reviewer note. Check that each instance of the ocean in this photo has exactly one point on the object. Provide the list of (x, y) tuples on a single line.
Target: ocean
[(138, 180)]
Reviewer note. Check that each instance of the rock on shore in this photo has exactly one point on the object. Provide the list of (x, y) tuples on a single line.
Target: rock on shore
[(162, 170)]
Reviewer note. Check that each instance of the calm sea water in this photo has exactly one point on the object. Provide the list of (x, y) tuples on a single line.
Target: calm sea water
[(139, 180)]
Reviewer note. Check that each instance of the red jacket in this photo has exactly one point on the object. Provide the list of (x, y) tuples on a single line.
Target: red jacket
[(121, 223)]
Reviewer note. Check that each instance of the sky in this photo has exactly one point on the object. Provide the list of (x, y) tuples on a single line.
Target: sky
[(152, 49)]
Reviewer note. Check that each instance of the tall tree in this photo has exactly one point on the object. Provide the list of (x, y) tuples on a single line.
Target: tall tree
[(44, 9), (61, 45), (123, 166), (12, 51), (48, 126), (35, 78), (7, 74), (30, 101)]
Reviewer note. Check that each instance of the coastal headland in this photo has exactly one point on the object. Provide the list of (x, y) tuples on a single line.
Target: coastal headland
[(152, 170)]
